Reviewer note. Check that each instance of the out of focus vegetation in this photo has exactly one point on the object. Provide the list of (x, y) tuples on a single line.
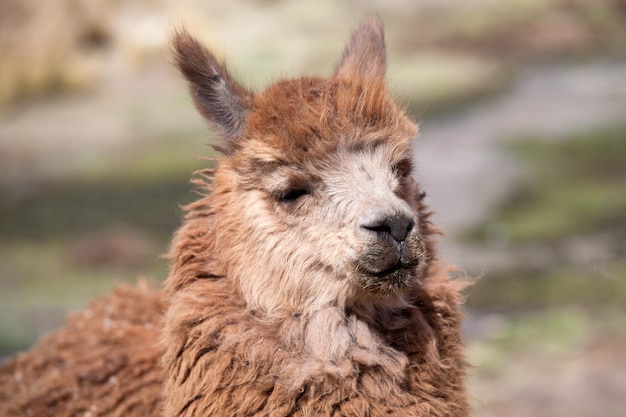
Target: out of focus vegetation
[(50, 46), (565, 225), (556, 312), (65, 241), (455, 49)]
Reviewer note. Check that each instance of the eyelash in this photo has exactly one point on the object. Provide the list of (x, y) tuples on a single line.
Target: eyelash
[(292, 195)]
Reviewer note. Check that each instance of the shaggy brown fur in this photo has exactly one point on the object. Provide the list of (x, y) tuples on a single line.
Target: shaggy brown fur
[(304, 282), (105, 361)]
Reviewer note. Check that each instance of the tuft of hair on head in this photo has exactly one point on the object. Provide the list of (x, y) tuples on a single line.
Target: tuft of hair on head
[(226, 104), (221, 100)]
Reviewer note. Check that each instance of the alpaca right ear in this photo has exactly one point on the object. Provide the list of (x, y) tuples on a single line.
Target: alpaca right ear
[(222, 101), (365, 54)]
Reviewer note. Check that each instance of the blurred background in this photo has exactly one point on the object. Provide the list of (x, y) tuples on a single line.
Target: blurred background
[(522, 152)]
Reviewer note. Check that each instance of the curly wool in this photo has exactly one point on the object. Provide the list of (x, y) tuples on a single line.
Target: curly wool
[(403, 360), (104, 361)]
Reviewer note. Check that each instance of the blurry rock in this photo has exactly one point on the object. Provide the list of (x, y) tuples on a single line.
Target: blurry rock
[(50, 45), (116, 247)]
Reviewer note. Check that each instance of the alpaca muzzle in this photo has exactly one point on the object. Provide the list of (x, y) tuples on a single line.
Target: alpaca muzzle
[(393, 256)]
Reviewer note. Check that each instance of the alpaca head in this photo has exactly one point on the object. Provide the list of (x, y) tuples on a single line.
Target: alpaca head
[(312, 202)]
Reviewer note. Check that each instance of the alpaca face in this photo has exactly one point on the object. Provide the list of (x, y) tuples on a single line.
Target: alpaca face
[(317, 203), (344, 219)]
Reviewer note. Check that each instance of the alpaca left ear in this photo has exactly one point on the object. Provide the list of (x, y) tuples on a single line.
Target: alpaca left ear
[(365, 55), (222, 101)]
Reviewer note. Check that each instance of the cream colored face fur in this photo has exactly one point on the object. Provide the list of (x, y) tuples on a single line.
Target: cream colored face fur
[(313, 199), (304, 253)]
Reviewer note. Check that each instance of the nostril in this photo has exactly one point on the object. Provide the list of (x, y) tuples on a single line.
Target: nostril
[(410, 225), (401, 227), (396, 226)]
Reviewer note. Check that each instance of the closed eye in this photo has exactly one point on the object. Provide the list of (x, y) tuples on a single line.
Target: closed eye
[(403, 168), (292, 195)]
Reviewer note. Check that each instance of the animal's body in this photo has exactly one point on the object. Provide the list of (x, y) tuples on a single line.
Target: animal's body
[(304, 282)]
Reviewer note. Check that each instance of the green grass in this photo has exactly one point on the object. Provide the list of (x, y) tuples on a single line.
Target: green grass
[(41, 283), (576, 187), (73, 208), (562, 285), (67, 240), (575, 192), (144, 190), (170, 155), (547, 334)]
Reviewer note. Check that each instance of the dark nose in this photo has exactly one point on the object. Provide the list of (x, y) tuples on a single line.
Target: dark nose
[(398, 225)]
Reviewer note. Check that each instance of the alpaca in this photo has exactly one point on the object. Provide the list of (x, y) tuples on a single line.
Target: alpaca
[(304, 281)]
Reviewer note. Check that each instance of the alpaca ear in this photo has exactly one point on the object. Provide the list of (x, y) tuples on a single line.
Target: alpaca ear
[(365, 54), (218, 97)]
